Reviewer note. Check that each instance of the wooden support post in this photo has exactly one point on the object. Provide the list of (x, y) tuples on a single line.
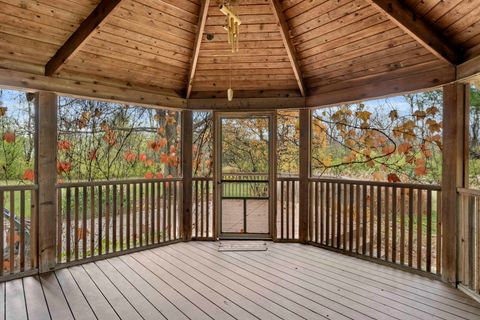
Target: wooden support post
[(187, 132), (46, 178), (304, 174), (453, 173)]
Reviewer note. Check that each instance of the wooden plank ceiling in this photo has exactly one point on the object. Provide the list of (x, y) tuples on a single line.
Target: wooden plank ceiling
[(149, 45)]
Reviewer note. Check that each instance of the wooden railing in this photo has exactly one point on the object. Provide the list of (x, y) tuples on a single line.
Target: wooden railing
[(394, 222), (18, 231), (203, 222), (287, 208), (469, 239), (105, 217), (245, 185)]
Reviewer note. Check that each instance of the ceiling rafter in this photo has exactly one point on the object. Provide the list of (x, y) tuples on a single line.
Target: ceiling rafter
[(202, 19), (81, 35), (404, 18), (284, 31)]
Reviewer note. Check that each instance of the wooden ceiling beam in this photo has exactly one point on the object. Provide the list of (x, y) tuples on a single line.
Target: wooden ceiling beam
[(469, 69), (202, 19), (88, 89), (246, 104), (417, 29), (81, 35), (381, 86), (285, 32)]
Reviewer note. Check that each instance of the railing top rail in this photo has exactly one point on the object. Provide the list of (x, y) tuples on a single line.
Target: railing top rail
[(202, 178), (433, 187), (19, 187), (244, 181), (288, 178), (113, 182), (246, 174), (469, 192)]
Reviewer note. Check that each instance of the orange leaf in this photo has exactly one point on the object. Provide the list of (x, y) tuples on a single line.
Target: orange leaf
[(28, 175), (9, 137), (392, 177), (149, 175), (404, 148)]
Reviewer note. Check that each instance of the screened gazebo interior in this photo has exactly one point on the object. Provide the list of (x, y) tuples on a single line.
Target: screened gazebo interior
[(240, 159)]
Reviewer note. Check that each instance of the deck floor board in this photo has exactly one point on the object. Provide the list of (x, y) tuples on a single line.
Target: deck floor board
[(194, 281)]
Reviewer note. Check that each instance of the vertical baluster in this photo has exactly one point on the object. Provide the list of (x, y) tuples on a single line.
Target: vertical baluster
[(410, 227), (196, 205), (152, 212), (33, 230), (334, 214), (145, 214), (294, 235), (208, 208), (164, 213), (352, 205), (372, 220), (287, 226), (321, 212), (318, 222), (100, 221), (84, 222), (92, 221), (379, 222), (59, 224), (134, 216), (419, 229), (169, 223), (107, 218), (128, 204), (387, 223), (282, 186), (75, 221), (175, 212), (357, 217), (114, 219), (429, 231), (364, 219), (141, 195), (327, 214), (339, 215), (68, 222), (394, 224), (158, 219), (121, 216), (22, 231), (402, 226), (201, 209), (11, 232), (345, 216), (438, 239)]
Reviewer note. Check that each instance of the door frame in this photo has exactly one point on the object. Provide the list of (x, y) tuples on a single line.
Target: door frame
[(272, 174)]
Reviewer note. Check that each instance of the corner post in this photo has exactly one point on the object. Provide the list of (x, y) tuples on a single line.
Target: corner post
[(46, 178), (304, 174), (187, 132), (455, 99)]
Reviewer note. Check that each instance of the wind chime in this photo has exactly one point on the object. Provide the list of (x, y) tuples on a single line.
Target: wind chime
[(232, 27)]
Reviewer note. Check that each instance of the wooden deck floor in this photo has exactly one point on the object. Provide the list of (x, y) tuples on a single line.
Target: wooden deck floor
[(195, 281)]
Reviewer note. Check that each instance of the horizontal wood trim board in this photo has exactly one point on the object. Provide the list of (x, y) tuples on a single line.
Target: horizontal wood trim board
[(17, 79)]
